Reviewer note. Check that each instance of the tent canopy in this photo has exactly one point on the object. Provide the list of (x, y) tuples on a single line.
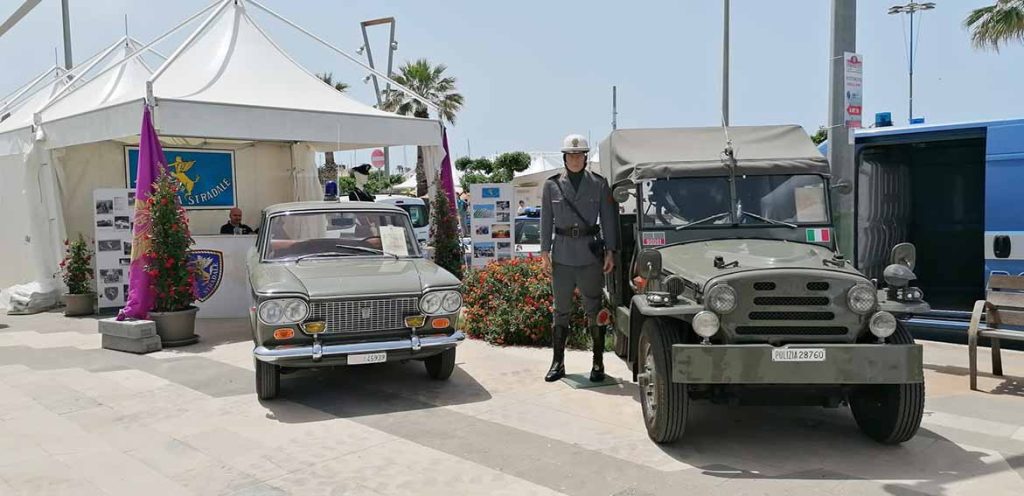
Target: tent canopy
[(635, 154)]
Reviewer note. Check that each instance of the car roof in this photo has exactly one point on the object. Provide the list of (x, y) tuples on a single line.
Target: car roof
[(308, 206), (409, 200)]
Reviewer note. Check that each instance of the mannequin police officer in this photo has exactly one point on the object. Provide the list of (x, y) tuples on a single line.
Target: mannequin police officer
[(577, 212)]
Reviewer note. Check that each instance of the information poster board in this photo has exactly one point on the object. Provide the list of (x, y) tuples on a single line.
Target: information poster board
[(114, 212), (492, 222)]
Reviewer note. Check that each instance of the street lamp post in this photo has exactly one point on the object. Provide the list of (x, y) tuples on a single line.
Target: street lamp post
[(910, 9)]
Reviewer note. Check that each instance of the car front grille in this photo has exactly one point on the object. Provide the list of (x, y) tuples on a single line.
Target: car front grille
[(792, 301), (792, 307), (791, 315), (343, 316), (790, 331)]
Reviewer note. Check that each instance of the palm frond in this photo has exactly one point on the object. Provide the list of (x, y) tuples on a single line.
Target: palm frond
[(996, 24)]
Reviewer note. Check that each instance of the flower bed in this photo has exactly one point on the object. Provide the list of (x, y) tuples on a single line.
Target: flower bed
[(509, 302)]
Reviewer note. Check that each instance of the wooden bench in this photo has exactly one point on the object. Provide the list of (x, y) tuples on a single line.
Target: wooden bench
[(1003, 306)]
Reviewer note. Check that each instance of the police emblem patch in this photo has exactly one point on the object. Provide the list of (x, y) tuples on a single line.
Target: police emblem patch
[(209, 271)]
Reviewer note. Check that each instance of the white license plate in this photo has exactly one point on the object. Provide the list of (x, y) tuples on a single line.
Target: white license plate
[(368, 358), (798, 355)]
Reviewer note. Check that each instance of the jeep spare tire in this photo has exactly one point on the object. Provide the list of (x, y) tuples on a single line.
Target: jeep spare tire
[(889, 413), (665, 404)]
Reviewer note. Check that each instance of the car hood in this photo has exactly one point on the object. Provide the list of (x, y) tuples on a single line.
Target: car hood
[(344, 278), (695, 261)]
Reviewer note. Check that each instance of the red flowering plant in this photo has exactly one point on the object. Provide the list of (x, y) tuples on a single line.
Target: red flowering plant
[(509, 302), (75, 268), (172, 275)]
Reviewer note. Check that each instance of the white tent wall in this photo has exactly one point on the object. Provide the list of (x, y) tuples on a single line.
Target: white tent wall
[(263, 176), (14, 248)]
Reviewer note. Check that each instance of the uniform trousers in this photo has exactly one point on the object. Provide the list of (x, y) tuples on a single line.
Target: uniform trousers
[(588, 278)]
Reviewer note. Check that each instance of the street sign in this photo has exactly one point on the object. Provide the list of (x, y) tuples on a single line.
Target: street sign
[(377, 158), (854, 88)]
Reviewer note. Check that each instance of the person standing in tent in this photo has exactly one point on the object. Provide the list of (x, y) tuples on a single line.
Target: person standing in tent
[(577, 209)]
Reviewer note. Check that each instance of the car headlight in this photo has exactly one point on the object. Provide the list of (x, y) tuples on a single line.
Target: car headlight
[(283, 311), (705, 324), (861, 298), (882, 324), (452, 302), (438, 302), (721, 299)]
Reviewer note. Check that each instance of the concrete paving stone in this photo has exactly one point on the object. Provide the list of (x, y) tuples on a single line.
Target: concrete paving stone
[(16, 448), (131, 329), (215, 479), (132, 345), (170, 457), (130, 476), (46, 477), (55, 396)]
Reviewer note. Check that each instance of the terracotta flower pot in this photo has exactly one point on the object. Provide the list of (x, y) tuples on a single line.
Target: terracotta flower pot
[(79, 304), (176, 328)]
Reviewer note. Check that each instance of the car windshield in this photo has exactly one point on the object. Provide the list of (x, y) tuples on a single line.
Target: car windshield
[(339, 234), (528, 232), (418, 214), (782, 200)]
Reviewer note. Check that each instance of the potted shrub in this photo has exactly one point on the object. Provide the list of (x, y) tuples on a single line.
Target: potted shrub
[(76, 272), (171, 274)]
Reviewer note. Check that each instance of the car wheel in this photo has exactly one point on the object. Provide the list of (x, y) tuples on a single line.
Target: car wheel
[(889, 413), (268, 380), (665, 404), (620, 344), (441, 365)]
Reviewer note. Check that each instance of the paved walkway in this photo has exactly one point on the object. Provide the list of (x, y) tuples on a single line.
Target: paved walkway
[(77, 419)]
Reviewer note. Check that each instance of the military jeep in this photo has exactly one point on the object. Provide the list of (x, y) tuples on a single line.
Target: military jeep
[(730, 288)]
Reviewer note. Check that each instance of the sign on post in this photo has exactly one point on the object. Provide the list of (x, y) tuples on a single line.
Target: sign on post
[(854, 89), (114, 215), (377, 158)]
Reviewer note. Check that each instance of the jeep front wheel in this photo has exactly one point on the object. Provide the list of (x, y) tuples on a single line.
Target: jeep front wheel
[(665, 404), (889, 413), (268, 380)]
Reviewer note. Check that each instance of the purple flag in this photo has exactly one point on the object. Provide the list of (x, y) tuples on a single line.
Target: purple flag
[(140, 298), (447, 183)]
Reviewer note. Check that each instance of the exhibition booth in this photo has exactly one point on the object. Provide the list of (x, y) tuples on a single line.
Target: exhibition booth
[(240, 122)]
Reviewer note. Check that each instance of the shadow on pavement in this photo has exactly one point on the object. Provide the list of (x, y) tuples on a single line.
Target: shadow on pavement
[(808, 443), (349, 392), (1011, 385), (217, 332)]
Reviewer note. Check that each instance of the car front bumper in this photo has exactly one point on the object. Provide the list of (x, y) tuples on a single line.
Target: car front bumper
[(320, 355), (753, 364)]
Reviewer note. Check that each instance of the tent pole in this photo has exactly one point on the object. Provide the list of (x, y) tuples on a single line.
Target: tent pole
[(129, 56), (81, 70), (341, 52), (10, 99), (181, 48)]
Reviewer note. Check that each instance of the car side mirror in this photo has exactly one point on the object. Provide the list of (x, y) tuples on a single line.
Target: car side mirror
[(904, 254), (843, 187), (622, 193), (648, 264)]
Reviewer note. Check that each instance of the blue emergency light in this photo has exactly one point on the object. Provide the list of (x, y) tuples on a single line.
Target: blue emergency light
[(883, 119)]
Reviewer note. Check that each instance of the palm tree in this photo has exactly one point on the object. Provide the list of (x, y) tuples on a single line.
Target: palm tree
[(329, 172), (996, 24), (430, 83)]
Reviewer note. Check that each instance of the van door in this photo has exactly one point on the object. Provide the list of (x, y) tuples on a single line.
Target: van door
[(1004, 200)]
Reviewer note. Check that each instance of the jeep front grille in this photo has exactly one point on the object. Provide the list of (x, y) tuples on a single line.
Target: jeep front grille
[(790, 331), (344, 316), (791, 315), (792, 301)]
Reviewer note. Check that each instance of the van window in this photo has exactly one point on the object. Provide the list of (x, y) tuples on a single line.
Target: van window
[(418, 214)]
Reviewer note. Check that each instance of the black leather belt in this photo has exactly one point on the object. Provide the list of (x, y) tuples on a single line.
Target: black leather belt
[(577, 231)]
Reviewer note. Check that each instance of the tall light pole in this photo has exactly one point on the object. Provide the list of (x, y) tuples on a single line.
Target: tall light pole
[(910, 9)]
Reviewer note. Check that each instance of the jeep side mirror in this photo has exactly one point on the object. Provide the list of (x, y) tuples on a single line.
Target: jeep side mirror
[(648, 264), (621, 193), (904, 254), (843, 187)]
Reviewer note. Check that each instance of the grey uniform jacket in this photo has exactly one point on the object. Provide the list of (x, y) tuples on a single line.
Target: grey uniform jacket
[(594, 201)]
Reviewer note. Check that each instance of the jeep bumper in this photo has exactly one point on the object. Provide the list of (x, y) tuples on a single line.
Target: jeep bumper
[(838, 364)]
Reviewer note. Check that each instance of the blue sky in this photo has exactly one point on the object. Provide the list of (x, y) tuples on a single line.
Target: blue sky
[(533, 71)]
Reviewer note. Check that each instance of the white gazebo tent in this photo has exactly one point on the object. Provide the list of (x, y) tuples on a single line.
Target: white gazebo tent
[(228, 85)]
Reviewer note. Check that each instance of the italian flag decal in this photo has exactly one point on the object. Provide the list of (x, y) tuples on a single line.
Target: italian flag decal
[(823, 235)]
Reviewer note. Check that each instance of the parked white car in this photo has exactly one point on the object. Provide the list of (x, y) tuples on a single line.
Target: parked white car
[(418, 210)]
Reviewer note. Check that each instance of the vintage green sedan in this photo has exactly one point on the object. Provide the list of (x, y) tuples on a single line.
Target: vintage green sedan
[(344, 283)]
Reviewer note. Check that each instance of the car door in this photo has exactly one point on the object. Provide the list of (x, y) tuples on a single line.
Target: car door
[(1004, 199)]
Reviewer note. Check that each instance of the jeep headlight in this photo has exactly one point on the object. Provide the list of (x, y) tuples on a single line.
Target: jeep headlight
[(861, 298), (882, 324), (705, 324), (721, 299), (283, 311), (438, 302)]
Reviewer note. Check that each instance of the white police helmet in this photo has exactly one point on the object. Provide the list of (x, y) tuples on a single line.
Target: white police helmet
[(575, 143)]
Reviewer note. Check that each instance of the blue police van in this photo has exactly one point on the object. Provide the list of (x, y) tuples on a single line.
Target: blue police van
[(956, 191)]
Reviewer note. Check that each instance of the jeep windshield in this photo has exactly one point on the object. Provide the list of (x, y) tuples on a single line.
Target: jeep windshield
[(324, 234), (760, 201)]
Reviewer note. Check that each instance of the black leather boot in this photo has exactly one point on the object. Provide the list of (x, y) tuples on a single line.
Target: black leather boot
[(557, 370), (597, 335)]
